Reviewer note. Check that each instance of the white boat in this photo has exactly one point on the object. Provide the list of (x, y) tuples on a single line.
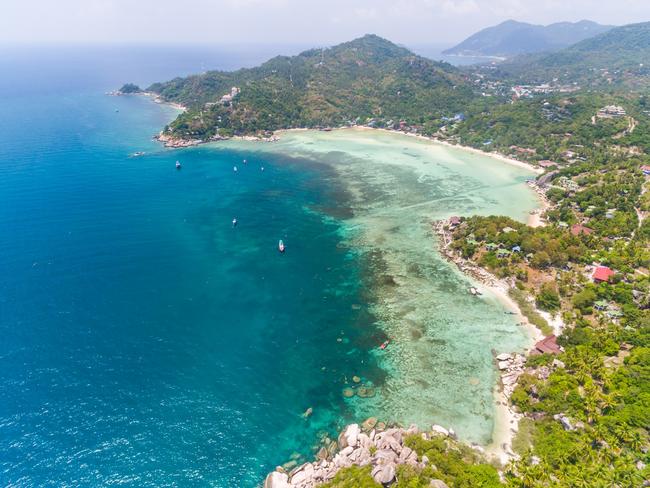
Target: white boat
[(178, 165), (234, 168), (245, 161), (262, 168), (234, 222), (281, 246)]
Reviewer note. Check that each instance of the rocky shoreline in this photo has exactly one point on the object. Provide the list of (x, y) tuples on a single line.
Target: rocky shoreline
[(171, 141), (361, 445)]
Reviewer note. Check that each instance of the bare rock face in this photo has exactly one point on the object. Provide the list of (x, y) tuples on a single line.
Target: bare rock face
[(277, 480), (384, 474), (382, 449)]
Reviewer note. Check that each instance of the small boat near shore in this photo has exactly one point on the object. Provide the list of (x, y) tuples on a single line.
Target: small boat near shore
[(178, 165), (136, 154), (281, 246), (384, 344), (474, 291)]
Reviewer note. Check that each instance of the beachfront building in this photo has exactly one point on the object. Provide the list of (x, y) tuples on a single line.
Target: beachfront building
[(546, 163), (548, 345)]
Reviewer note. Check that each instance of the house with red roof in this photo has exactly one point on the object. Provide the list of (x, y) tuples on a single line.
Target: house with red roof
[(646, 169), (602, 274), (548, 345), (577, 229)]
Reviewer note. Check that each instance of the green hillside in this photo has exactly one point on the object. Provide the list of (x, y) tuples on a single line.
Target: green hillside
[(369, 77), (618, 56)]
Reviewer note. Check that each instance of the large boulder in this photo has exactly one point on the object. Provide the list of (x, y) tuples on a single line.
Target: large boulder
[(364, 441), (385, 456), (276, 480), (384, 474), (440, 430), (350, 436)]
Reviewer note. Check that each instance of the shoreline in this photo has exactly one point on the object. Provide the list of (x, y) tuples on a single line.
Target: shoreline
[(495, 155), (155, 98), (510, 366)]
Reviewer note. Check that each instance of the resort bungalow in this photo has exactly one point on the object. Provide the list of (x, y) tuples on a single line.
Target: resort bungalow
[(646, 169), (507, 229), (503, 253), (601, 305), (614, 313), (577, 229), (516, 248), (547, 345), (602, 274), (491, 246)]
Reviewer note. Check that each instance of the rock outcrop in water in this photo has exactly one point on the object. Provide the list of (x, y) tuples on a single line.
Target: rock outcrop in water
[(383, 450)]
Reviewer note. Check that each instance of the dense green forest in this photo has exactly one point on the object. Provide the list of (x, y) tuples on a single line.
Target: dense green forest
[(349, 83)]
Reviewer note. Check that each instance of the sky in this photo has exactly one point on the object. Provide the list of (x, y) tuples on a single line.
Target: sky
[(304, 22)]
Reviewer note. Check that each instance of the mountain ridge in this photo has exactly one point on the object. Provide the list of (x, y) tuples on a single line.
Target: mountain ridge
[(512, 38), (364, 78), (619, 55)]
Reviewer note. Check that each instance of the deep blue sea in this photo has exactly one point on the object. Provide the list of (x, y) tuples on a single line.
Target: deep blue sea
[(144, 340)]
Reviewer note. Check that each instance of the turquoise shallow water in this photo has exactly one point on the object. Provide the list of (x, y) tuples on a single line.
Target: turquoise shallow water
[(440, 365), (144, 340), (147, 342)]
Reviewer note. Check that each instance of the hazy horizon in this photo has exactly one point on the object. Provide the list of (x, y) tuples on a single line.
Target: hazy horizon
[(287, 22)]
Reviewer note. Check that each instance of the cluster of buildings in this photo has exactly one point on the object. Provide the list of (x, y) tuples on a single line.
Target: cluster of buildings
[(611, 112), (226, 99), (529, 91)]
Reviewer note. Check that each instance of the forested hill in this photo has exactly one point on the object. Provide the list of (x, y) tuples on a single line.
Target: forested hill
[(366, 78), (510, 38), (620, 55)]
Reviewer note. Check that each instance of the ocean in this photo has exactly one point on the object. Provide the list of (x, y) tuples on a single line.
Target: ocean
[(147, 341)]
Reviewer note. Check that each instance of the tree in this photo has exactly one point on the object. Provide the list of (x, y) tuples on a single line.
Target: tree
[(584, 299), (548, 298)]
